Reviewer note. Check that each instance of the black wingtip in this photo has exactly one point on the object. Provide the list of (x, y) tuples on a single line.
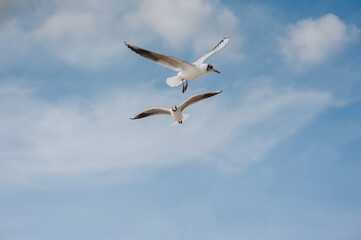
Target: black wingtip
[(132, 118), (128, 45), (225, 39)]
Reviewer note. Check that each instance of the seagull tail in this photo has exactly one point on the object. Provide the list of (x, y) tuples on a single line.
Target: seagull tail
[(184, 117), (174, 81)]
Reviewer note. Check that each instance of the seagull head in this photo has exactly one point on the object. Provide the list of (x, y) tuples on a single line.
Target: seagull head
[(174, 108), (211, 69)]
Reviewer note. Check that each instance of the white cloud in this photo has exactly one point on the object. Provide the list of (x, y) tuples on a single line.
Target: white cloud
[(263, 119), (93, 140), (81, 38), (91, 33), (313, 41), (197, 22)]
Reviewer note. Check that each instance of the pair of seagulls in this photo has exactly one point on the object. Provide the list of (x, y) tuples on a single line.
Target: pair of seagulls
[(186, 71)]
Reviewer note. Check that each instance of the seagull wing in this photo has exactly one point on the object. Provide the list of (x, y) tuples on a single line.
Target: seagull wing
[(150, 112), (217, 48), (164, 60), (197, 98)]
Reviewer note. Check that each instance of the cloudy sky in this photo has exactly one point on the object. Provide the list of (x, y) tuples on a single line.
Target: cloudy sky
[(275, 156)]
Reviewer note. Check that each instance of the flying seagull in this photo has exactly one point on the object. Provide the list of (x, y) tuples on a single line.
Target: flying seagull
[(175, 111), (186, 71)]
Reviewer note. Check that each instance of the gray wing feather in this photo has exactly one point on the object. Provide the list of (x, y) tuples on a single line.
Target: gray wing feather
[(220, 46), (164, 60), (197, 98), (150, 112)]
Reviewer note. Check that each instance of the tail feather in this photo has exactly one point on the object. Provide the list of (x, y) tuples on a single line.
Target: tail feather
[(184, 117), (174, 81)]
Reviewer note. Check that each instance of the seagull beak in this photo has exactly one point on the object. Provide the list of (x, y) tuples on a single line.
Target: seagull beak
[(216, 71)]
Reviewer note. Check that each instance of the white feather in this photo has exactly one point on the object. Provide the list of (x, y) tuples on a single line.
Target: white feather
[(174, 81)]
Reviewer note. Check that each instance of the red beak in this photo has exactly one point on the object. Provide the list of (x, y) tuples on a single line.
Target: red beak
[(216, 71)]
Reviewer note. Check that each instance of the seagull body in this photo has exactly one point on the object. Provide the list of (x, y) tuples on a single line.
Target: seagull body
[(186, 71), (176, 112)]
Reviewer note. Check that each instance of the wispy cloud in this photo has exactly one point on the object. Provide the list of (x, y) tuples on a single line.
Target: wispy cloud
[(312, 41), (199, 23), (90, 34), (93, 140)]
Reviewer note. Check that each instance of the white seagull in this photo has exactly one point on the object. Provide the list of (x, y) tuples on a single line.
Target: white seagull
[(187, 71), (175, 111)]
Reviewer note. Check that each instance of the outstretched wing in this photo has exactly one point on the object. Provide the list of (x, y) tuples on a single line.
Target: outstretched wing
[(164, 60), (217, 48), (150, 112), (197, 98)]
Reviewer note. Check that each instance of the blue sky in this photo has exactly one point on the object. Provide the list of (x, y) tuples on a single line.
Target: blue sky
[(275, 156)]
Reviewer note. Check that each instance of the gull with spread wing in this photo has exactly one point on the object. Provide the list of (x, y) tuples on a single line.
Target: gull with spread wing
[(176, 112), (186, 71)]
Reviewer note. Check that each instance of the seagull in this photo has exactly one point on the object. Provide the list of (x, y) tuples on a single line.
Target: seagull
[(176, 112), (186, 71)]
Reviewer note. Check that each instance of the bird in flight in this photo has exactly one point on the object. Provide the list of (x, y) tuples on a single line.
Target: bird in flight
[(186, 71), (176, 112)]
